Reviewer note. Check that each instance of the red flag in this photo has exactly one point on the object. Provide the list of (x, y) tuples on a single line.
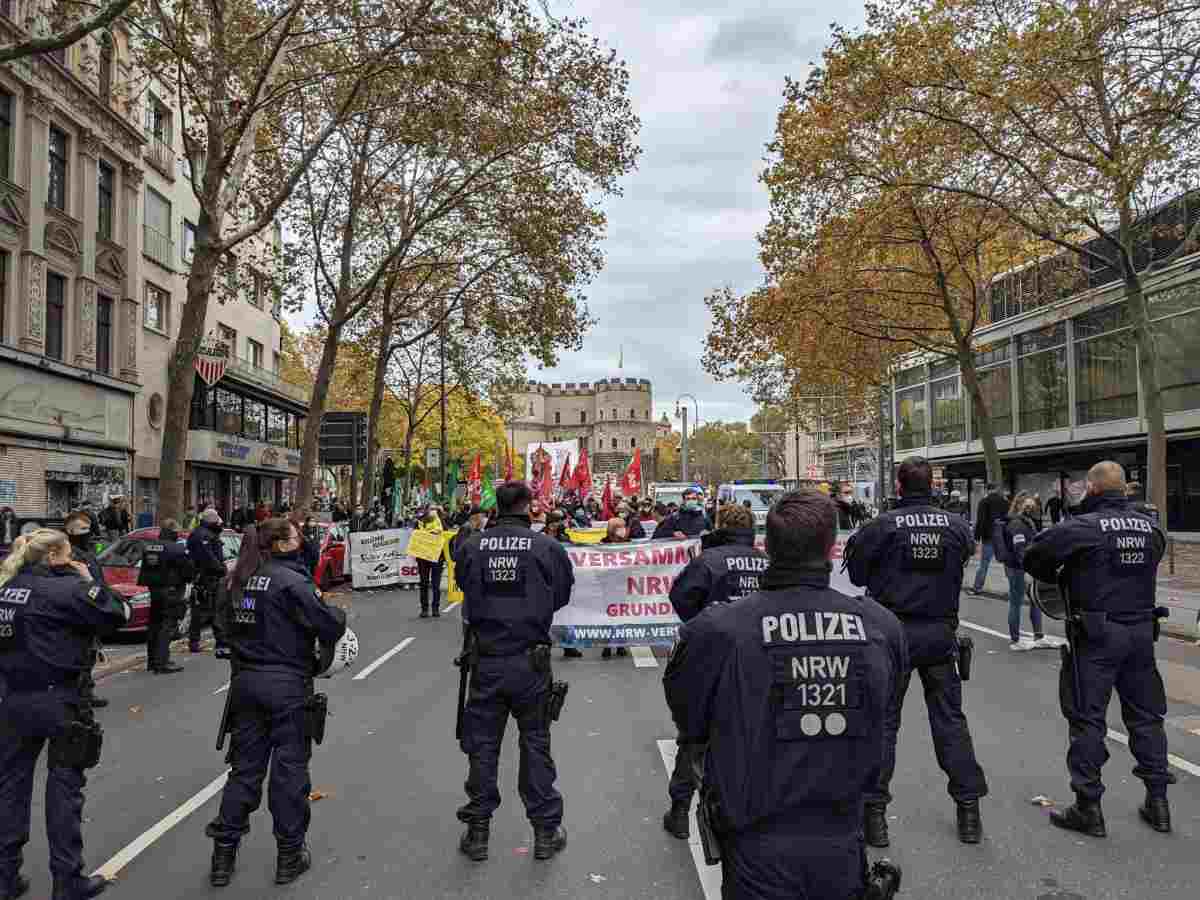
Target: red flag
[(475, 481), (547, 483), (508, 466), (583, 475), (567, 481), (606, 501), (631, 481)]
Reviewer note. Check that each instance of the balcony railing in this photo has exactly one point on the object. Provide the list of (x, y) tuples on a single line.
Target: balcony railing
[(247, 371), (160, 155), (158, 246)]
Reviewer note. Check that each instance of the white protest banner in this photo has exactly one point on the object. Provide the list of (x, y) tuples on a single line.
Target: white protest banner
[(560, 453), (622, 593), (378, 559)]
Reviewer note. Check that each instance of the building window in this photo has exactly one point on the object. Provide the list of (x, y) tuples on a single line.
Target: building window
[(228, 411), (104, 311), (56, 294), (614, 415), (6, 134), (255, 420), (632, 443), (158, 129), (275, 362), (56, 195), (105, 182), (632, 414), (558, 418), (156, 312), (531, 409), (949, 420), (228, 338), (277, 427), (995, 384), (258, 289), (106, 66), (614, 443), (601, 415), (583, 417), (1042, 379), (189, 241), (5, 260), (910, 418), (157, 228), (254, 353), (1177, 339), (1106, 376)]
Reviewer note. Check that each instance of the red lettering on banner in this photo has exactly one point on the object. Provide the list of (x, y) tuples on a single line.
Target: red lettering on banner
[(611, 611), (635, 584), (409, 570), (633, 610), (579, 560), (641, 558)]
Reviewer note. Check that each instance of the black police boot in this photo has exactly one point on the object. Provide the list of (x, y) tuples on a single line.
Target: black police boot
[(437, 610), (1082, 816), (424, 610), (970, 826), (97, 702), (474, 842), (224, 860), (16, 888), (572, 653), (80, 888), (675, 820), (291, 864), (1156, 813), (548, 841), (875, 825)]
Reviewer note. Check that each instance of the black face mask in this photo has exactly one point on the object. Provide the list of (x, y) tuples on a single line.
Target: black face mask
[(79, 541)]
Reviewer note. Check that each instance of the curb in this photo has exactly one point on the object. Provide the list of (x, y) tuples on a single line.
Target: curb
[(138, 660), (1170, 629)]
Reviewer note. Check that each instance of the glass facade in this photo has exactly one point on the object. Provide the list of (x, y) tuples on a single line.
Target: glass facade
[(949, 421), (1042, 379), (1176, 327), (1105, 366), (224, 410), (910, 418)]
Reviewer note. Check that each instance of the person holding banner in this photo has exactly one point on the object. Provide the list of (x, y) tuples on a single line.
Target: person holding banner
[(514, 581), (795, 681), (431, 571)]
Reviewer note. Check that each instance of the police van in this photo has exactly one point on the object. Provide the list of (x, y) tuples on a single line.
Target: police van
[(667, 492), (760, 494)]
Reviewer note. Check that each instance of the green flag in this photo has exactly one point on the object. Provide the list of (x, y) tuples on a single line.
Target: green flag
[(488, 492), (451, 486)]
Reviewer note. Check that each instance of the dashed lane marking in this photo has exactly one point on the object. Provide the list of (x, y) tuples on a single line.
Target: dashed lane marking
[(135, 848), (1113, 735), (222, 689), (710, 876), (379, 662), (643, 657)]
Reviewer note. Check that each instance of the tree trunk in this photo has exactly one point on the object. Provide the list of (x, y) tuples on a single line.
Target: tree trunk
[(181, 371), (1156, 430), (316, 409), (408, 465), (381, 364), (991, 454)]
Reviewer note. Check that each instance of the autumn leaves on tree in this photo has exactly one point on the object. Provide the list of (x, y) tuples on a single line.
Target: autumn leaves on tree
[(947, 142)]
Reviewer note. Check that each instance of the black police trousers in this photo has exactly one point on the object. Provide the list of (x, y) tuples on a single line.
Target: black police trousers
[(1122, 656), (204, 610), (268, 728), (28, 721), (166, 611), (504, 685), (683, 777), (809, 856), (932, 652)]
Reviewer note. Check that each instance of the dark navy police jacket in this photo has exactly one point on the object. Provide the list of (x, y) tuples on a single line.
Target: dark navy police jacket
[(720, 574), (165, 564), (514, 581), (689, 521), (1111, 552), (789, 688), (911, 559), (49, 618), (206, 551), (275, 619)]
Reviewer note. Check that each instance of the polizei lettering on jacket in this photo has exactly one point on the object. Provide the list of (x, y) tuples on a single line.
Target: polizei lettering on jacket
[(923, 520), (813, 627), (506, 543), (747, 564), (1126, 525)]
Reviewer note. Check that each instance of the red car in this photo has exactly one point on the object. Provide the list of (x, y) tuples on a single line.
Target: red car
[(121, 562), (331, 566)]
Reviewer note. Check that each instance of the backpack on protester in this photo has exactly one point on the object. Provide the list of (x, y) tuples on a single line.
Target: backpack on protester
[(1002, 543)]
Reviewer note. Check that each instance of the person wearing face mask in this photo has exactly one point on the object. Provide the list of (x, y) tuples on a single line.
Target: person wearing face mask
[(431, 572), (277, 616), (166, 568), (686, 522), (618, 533), (82, 539), (50, 612), (207, 554)]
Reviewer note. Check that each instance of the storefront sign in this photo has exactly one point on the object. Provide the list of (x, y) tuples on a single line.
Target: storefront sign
[(42, 404), (8, 491), (227, 450), (271, 458), (212, 447)]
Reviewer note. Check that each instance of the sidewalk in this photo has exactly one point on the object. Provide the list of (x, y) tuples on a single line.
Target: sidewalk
[(1181, 593)]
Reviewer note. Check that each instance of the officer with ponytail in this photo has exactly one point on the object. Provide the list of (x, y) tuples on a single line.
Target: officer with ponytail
[(51, 609)]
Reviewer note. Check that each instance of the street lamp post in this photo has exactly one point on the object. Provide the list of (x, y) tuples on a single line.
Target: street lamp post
[(681, 412)]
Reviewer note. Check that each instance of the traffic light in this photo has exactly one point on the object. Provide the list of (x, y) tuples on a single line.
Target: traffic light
[(360, 440)]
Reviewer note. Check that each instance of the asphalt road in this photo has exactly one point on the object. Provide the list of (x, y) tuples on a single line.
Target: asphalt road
[(391, 778)]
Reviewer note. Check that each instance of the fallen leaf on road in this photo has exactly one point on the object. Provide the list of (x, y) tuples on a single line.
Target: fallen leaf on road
[(596, 879), (136, 710), (161, 778), (319, 795), (1039, 800)]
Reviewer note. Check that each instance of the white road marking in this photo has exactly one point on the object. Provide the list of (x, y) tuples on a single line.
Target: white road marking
[(456, 603), (1177, 761), (222, 689), (132, 850), (379, 662), (710, 876), (643, 657)]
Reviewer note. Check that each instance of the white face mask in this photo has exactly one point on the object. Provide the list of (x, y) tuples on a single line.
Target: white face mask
[(538, 526)]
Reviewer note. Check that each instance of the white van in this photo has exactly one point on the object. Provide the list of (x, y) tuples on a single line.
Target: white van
[(666, 492), (760, 494)]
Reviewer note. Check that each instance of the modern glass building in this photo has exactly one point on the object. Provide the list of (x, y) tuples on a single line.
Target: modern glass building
[(1060, 376)]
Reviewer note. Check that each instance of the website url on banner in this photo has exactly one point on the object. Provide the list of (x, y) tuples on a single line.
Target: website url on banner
[(625, 632)]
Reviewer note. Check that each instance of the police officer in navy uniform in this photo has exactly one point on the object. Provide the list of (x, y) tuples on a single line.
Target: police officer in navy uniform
[(166, 569), (728, 569), (50, 611), (207, 553), (82, 536), (514, 580), (1109, 555), (276, 616), (788, 687), (911, 560)]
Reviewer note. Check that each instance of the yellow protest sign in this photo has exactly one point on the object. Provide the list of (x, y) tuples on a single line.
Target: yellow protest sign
[(426, 545), (586, 535), (456, 595)]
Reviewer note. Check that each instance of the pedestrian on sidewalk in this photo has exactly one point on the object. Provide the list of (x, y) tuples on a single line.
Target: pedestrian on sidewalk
[(1021, 530), (991, 508)]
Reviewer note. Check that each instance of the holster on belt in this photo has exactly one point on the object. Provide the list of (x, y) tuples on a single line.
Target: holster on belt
[(556, 698), (539, 655), (316, 711), (708, 823), (77, 746), (966, 652), (1160, 613)]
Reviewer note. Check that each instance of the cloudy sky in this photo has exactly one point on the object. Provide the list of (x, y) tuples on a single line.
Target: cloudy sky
[(707, 81)]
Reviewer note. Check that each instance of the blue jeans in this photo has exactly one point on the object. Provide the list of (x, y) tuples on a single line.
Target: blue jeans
[(986, 554), (1016, 596)]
